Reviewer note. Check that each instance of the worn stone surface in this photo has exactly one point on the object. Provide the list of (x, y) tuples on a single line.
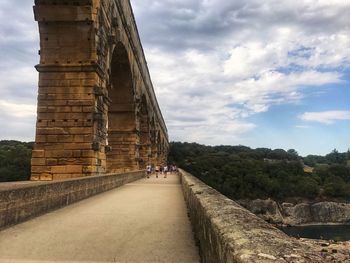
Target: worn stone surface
[(22, 201), (227, 232), (301, 213), (144, 221), (335, 252), (97, 110)]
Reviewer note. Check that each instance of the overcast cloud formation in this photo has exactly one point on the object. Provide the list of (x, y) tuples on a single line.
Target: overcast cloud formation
[(216, 64), (221, 70), (18, 54)]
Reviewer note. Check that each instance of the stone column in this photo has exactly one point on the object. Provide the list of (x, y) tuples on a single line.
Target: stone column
[(66, 143)]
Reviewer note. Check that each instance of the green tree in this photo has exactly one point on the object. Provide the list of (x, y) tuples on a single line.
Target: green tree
[(15, 161), (241, 172)]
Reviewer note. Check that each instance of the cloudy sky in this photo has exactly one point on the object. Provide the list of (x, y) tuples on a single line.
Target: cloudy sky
[(266, 73)]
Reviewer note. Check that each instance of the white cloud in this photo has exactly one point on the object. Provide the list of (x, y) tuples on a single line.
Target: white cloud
[(19, 79), (259, 93), (326, 117), (216, 58), (18, 121), (214, 63), (17, 110)]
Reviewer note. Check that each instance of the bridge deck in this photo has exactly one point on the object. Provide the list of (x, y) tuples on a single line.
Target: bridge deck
[(145, 221)]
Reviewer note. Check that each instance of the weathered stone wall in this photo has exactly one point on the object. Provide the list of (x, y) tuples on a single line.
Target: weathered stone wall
[(226, 232), (93, 85), (22, 201)]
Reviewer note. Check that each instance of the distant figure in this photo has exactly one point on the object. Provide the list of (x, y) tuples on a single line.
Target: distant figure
[(175, 169), (165, 169), (157, 170), (148, 170)]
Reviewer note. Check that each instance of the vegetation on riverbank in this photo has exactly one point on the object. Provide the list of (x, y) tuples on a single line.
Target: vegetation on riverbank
[(241, 172)]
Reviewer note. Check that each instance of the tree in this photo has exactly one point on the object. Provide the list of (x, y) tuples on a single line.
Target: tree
[(15, 161), (336, 157), (240, 172)]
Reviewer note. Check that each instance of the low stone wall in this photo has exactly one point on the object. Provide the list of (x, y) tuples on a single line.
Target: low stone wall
[(24, 200), (226, 232)]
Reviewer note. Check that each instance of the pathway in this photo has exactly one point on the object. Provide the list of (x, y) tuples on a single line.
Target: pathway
[(145, 221)]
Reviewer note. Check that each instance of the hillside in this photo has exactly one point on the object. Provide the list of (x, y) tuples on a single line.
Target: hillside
[(240, 172)]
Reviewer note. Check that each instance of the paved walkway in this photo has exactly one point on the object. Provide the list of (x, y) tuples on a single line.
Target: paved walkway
[(145, 221)]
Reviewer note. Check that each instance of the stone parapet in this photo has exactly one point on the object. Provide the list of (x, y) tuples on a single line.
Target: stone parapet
[(226, 232), (24, 200)]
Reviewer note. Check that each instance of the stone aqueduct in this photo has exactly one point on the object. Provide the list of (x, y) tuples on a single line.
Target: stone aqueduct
[(97, 110), (97, 114)]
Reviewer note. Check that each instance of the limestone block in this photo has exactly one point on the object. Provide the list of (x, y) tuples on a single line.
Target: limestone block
[(58, 169), (40, 169), (38, 161), (46, 177), (40, 138), (74, 169), (51, 162), (38, 153), (35, 177), (89, 169)]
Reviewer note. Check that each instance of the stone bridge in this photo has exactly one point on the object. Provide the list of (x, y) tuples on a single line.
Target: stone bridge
[(97, 110), (138, 220), (97, 116)]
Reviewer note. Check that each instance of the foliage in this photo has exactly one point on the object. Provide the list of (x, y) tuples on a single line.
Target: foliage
[(236, 171), (241, 172), (15, 160)]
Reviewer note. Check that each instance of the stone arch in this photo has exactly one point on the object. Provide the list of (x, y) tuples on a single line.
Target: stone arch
[(121, 127), (144, 133), (159, 146), (163, 147), (153, 140), (161, 150), (95, 96)]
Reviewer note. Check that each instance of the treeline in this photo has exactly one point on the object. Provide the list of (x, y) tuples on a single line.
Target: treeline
[(236, 171), (334, 157), (241, 172), (15, 161)]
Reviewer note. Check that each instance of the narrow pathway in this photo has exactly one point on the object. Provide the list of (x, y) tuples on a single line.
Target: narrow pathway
[(145, 221)]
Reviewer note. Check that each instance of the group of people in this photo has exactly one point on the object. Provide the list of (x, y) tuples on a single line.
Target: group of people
[(160, 170)]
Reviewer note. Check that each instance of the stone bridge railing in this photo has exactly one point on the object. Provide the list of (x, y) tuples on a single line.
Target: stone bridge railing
[(226, 232), (24, 200)]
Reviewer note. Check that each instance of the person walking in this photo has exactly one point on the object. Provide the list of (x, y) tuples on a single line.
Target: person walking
[(148, 170), (175, 170), (165, 169), (157, 170)]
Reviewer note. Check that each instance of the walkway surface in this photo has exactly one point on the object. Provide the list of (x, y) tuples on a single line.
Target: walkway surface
[(145, 221)]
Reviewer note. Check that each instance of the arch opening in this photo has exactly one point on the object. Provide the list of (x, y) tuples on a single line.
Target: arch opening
[(121, 128), (145, 137)]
